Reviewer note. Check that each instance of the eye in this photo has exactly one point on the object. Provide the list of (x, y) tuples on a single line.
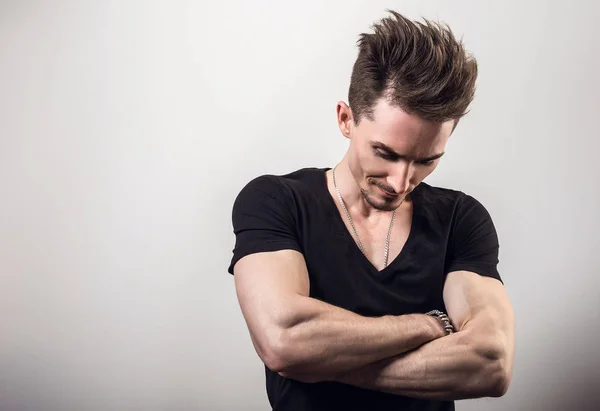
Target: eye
[(427, 163), (383, 155)]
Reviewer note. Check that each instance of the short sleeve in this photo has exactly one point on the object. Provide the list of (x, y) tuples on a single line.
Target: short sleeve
[(473, 240), (263, 219)]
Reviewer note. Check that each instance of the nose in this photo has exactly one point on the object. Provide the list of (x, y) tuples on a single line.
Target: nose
[(399, 179)]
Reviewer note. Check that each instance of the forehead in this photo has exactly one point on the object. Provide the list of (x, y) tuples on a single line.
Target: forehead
[(402, 131)]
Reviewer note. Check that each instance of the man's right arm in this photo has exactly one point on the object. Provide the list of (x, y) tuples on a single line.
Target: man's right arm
[(304, 338)]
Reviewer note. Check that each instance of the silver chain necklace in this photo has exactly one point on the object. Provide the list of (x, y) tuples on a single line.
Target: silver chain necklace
[(349, 217)]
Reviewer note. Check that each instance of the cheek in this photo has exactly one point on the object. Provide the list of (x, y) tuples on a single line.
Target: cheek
[(366, 162), (375, 166)]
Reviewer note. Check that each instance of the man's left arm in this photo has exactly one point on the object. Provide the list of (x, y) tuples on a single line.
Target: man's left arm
[(475, 361)]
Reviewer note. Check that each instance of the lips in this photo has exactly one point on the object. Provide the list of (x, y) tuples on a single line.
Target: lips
[(386, 193)]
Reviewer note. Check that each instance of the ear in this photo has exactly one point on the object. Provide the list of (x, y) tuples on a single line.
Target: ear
[(344, 118)]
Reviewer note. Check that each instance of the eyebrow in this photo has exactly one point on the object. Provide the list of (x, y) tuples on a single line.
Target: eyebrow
[(392, 153)]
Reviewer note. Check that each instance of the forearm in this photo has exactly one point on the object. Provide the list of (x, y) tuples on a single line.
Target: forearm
[(331, 340), (450, 368)]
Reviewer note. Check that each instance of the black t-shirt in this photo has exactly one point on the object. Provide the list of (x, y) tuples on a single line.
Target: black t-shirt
[(450, 231)]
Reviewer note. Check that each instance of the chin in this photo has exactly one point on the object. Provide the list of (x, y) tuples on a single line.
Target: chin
[(386, 206), (382, 202)]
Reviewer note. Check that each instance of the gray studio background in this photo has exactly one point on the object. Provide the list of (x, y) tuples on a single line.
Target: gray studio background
[(127, 128)]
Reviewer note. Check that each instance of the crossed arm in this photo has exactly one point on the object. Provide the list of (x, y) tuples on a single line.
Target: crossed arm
[(308, 340), (474, 362)]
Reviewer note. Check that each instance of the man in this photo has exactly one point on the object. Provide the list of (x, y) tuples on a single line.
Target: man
[(345, 275)]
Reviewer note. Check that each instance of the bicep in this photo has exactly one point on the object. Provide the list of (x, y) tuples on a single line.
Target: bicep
[(481, 306), (473, 286), (268, 286)]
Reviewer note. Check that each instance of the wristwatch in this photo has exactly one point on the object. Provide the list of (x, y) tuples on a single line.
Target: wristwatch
[(444, 319)]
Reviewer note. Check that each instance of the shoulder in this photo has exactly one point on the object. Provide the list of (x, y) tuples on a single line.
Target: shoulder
[(283, 186), (287, 191), (435, 192), (263, 184), (455, 207), (457, 200), (434, 197)]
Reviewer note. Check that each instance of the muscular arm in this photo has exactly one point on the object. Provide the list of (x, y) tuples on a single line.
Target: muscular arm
[(304, 338), (474, 362)]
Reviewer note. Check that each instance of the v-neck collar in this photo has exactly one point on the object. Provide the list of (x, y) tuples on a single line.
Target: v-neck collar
[(341, 226)]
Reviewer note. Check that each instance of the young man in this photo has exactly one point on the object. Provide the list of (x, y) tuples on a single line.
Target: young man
[(345, 275)]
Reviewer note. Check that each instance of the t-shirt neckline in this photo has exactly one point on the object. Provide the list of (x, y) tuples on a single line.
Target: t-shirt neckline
[(340, 225)]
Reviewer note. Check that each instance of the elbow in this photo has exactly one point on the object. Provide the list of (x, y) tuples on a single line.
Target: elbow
[(280, 338), (273, 351), (279, 356), (495, 372), (500, 388), (274, 361), (491, 365), (499, 379)]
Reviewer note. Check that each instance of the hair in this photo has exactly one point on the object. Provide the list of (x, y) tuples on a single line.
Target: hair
[(418, 67)]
